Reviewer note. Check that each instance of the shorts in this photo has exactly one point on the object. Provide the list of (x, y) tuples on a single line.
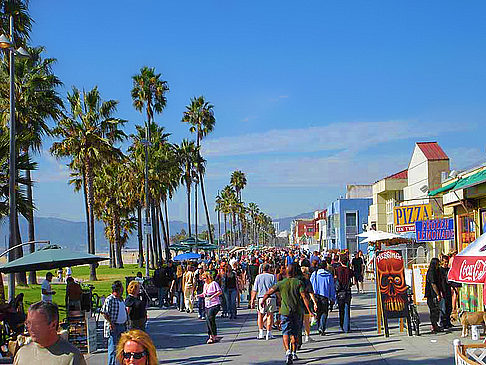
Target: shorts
[(358, 276), (291, 324), (269, 307)]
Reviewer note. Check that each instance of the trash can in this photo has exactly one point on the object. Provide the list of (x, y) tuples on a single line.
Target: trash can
[(475, 332)]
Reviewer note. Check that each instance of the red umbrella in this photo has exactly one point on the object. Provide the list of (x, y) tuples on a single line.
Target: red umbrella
[(469, 266)]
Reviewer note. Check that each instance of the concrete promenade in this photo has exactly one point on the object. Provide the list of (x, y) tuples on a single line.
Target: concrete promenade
[(181, 339)]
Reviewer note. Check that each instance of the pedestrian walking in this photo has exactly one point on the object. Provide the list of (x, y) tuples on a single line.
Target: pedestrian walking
[(263, 283), (309, 293), (325, 292), (446, 302), (136, 348), (211, 294), (136, 308), (189, 283), (231, 290), (46, 289), (115, 313), (292, 293), (163, 277), (433, 293), (344, 282), (358, 267), (199, 289)]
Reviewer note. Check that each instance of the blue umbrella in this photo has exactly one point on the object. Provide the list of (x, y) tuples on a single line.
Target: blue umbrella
[(187, 256)]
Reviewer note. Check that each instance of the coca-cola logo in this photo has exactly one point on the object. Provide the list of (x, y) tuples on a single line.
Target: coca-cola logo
[(472, 271)]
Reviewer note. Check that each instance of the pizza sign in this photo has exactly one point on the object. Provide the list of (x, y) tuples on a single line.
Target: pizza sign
[(406, 216)]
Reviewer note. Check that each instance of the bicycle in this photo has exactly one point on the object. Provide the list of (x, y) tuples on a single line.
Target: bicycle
[(413, 313)]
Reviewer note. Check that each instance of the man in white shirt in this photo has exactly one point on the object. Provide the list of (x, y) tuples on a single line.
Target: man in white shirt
[(263, 282), (47, 292)]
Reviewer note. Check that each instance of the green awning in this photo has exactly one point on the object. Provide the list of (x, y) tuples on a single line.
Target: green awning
[(464, 183), (472, 180), (442, 189)]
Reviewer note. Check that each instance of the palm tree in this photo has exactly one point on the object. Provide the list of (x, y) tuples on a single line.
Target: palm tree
[(199, 114), (88, 135), (253, 211), (238, 181), (188, 153), (36, 102), (149, 92), (22, 20)]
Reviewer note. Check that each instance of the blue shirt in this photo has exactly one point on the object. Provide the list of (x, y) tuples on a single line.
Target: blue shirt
[(323, 284)]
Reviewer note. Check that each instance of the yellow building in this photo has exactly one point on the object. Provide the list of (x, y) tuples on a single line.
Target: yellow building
[(387, 193)]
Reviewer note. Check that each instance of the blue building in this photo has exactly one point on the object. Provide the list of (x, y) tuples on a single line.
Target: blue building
[(345, 219)]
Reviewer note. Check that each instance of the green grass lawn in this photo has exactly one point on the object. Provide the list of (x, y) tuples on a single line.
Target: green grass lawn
[(105, 274)]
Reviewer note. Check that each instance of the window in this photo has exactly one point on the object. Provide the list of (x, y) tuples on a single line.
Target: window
[(350, 219), (466, 232)]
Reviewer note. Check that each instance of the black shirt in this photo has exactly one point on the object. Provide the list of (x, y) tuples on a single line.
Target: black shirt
[(137, 308), (230, 280), (357, 263), (431, 278)]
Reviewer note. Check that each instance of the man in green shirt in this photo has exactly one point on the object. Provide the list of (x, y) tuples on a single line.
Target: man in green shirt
[(292, 294), (46, 346)]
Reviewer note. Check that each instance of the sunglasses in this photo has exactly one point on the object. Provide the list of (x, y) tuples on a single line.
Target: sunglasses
[(135, 355)]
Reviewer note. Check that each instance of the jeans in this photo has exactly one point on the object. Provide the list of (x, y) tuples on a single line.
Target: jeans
[(445, 311), (180, 300), (224, 304), (211, 320), (434, 309), (113, 341), (344, 304), (163, 300), (322, 312), (200, 306), (230, 296)]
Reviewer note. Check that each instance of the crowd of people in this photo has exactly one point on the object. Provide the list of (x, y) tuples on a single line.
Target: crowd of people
[(289, 290)]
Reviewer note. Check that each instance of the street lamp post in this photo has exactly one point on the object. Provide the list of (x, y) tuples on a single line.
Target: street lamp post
[(8, 43)]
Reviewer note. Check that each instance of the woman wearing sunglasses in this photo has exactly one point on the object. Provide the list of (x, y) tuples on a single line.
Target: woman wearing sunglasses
[(211, 293), (136, 348)]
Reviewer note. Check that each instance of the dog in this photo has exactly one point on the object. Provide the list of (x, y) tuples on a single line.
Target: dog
[(468, 319)]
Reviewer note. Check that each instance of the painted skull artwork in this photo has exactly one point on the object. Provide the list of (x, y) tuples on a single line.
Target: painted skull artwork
[(392, 284)]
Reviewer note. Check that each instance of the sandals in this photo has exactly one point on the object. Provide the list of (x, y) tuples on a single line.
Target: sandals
[(210, 341)]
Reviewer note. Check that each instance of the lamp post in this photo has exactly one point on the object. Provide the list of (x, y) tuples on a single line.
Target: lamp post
[(7, 43)]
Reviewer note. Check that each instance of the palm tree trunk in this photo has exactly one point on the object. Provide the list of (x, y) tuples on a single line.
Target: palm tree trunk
[(166, 239), (140, 236), (152, 256), (118, 246), (195, 210), (30, 219), (225, 230), (92, 245), (113, 252), (86, 208), (167, 220), (232, 226), (189, 209), (155, 241), (21, 277), (157, 228), (201, 178)]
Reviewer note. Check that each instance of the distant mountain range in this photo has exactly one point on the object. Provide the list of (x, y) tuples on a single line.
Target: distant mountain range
[(285, 222), (73, 235)]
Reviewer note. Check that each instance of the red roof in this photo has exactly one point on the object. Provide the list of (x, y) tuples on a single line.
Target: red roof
[(399, 175), (432, 151)]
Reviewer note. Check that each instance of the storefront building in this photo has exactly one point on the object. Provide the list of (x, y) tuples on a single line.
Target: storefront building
[(464, 199), (387, 193)]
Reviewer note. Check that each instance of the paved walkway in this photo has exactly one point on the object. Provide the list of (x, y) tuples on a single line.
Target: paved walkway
[(180, 339)]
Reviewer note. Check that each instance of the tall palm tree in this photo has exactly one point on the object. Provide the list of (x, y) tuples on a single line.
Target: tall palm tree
[(148, 92), (200, 115), (88, 134), (238, 181), (188, 153), (36, 102)]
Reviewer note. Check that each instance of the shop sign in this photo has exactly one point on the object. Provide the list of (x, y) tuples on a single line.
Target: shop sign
[(435, 230), (419, 274), (391, 283), (405, 216)]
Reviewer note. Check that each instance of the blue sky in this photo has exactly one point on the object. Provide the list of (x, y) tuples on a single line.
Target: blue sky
[(308, 96)]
